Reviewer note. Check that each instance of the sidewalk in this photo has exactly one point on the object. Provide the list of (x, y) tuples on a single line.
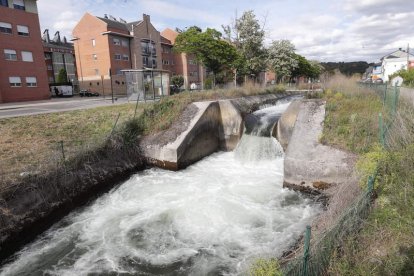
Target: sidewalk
[(8, 110), (52, 101)]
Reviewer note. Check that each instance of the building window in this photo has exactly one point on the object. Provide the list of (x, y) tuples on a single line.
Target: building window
[(15, 81), (154, 63), (125, 57), (10, 54), (49, 67), (165, 62), (94, 57), (5, 28), (22, 30), (27, 56), (31, 81), (4, 3), (97, 72), (153, 50), (93, 42), (51, 79), (19, 5), (145, 61), (117, 57), (48, 56), (116, 41), (125, 43)]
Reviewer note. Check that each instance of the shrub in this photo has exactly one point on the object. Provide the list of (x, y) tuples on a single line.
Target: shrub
[(266, 267)]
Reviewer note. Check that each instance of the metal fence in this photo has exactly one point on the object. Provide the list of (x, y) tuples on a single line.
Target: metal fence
[(317, 254)]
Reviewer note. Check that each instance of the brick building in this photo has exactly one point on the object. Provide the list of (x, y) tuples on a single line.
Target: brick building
[(23, 70), (180, 63), (59, 54), (104, 43)]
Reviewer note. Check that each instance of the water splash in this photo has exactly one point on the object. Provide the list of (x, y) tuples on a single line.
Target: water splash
[(257, 143)]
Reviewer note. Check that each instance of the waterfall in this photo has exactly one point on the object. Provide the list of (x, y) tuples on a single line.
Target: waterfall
[(257, 143)]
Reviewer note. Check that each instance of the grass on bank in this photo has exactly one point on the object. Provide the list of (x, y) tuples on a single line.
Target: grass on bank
[(32, 143), (385, 245)]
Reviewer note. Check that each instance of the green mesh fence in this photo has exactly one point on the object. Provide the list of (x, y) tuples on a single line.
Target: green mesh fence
[(317, 254)]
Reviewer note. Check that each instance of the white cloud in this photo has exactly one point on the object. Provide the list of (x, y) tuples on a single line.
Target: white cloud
[(335, 30)]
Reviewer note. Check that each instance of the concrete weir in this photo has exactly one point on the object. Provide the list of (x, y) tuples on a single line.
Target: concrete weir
[(203, 128), (310, 166)]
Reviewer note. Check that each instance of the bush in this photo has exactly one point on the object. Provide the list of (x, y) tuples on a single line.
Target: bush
[(263, 267)]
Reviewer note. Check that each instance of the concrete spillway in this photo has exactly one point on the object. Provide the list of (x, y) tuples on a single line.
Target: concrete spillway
[(215, 217)]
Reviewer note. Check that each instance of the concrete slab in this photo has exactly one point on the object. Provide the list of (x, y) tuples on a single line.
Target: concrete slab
[(309, 165)]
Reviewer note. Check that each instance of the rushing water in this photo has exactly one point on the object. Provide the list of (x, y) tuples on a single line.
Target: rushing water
[(213, 218)]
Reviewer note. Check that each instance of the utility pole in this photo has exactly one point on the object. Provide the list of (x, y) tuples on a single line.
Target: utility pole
[(408, 56)]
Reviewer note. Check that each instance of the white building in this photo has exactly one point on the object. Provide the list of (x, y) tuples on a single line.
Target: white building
[(394, 62)]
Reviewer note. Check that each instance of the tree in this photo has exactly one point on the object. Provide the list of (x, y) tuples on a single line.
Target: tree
[(304, 68), (248, 37), (316, 69), (177, 81), (282, 58), (208, 47), (311, 69), (62, 76)]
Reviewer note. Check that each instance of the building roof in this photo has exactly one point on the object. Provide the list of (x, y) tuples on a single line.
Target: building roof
[(134, 23), (169, 34), (397, 54), (114, 24), (165, 41)]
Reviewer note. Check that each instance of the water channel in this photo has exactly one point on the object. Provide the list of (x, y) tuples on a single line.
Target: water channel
[(214, 218)]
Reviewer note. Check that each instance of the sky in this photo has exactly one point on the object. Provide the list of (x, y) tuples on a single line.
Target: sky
[(323, 30)]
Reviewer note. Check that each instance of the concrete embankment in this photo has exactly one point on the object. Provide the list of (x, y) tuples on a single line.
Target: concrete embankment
[(203, 128), (310, 166)]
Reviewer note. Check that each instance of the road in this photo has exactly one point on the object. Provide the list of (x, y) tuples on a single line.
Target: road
[(10, 110)]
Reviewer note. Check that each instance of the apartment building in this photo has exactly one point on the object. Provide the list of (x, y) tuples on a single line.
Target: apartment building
[(105, 45), (59, 54), (23, 70), (181, 63)]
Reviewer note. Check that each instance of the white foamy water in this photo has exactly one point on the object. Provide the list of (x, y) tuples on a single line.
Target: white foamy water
[(214, 218)]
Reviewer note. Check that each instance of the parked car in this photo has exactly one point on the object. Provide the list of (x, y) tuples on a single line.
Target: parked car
[(379, 80), (88, 93)]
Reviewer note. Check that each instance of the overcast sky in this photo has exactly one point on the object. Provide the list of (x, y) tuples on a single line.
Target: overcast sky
[(325, 30)]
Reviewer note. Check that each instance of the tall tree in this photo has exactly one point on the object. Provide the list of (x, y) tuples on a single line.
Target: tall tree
[(282, 58), (248, 36), (208, 47)]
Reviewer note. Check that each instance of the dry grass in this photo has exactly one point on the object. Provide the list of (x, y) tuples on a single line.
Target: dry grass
[(385, 246), (32, 142)]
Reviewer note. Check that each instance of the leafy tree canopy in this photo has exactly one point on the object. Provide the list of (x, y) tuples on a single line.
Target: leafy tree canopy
[(178, 80), (208, 47), (248, 36), (282, 58)]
